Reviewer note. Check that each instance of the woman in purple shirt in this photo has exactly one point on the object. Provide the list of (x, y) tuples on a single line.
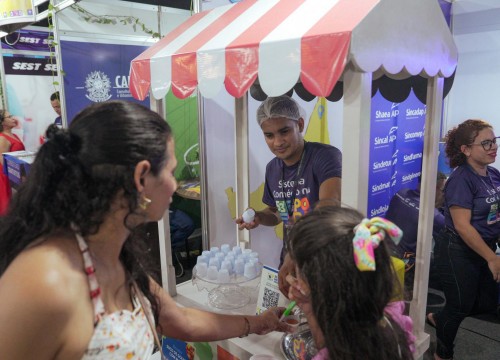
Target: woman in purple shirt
[(465, 250)]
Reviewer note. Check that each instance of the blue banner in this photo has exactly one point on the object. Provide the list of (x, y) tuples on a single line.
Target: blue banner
[(443, 164), (396, 145), (30, 40), (96, 73)]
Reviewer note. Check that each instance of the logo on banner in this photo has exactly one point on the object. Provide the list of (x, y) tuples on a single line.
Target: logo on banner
[(379, 211), (381, 187), (415, 113), (386, 140), (381, 165), (412, 136), (412, 157), (387, 115), (410, 177), (98, 86), (395, 157), (394, 179)]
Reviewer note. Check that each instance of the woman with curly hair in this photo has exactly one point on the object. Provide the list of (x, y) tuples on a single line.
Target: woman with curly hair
[(73, 277), (8, 142), (344, 283), (465, 251)]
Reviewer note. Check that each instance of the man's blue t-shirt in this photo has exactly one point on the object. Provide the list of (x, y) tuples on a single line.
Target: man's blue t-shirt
[(403, 211), (58, 122), (481, 194), (287, 191)]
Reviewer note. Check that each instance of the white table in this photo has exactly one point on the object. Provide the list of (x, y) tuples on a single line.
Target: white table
[(188, 295)]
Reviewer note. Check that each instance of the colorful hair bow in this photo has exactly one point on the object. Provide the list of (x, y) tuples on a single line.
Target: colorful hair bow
[(367, 236)]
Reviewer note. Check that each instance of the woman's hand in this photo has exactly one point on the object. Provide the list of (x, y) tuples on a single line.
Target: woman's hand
[(269, 321)]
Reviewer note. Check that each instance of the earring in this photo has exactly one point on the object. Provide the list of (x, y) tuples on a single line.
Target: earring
[(144, 203)]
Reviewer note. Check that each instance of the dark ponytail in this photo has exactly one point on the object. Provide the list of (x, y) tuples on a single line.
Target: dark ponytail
[(78, 173)]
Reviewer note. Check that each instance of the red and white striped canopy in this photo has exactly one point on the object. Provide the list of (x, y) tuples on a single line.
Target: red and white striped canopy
[(281, 42)]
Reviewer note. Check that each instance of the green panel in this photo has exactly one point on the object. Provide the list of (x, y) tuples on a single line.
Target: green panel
[(182, 115)]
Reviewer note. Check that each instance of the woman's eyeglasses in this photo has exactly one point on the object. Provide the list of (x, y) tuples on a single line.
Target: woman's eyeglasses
[(487, 144)]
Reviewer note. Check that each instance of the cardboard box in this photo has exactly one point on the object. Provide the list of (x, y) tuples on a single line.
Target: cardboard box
[(16, 165)]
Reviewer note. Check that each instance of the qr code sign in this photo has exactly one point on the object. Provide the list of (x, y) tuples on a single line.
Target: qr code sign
[(270, 298)]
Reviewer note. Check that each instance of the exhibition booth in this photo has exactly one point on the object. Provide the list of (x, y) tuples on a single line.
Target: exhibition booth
[(267, 47), (383, 66)]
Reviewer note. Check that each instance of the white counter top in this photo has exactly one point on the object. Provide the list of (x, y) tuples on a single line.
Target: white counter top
[(188, 295)]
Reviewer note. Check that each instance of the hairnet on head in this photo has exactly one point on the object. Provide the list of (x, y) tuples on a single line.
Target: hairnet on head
[(279, 107)]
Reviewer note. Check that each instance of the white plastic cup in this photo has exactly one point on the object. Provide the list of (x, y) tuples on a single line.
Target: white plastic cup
[(246, 254), (248, 215), (207, 254), (201, 269), (236, 250), (239, 266), (214, 262), (254, 254), (257, 264), (223, 276), (249, 271), (231, 259), (214, 250), (227, 265), (225, 248), (201, 259), (212, 273), (242, 258), (220, 256)]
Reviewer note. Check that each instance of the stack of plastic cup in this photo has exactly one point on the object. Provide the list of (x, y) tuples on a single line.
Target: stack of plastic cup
[(214, 250), (236, 250), (225, 248), (239, 266), (223, 264), (212, 273), (226, 264), (250, 272), (223, 276), (214, 262), (201, 269), (220, 256), (256, 263)]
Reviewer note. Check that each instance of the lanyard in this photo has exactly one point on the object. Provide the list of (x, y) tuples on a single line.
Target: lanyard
[(295, 181), (490, 188)]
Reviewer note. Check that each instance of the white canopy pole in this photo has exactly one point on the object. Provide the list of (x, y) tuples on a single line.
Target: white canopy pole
[(167, 268), (426, 213), (242, 165), (356, 139)]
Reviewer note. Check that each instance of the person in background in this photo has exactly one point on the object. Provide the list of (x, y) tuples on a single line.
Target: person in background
[(345, 292), (72, 274), (404, 211), (301, 174), (8, 142), (56, 105), (465, 250), (181, 227)]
